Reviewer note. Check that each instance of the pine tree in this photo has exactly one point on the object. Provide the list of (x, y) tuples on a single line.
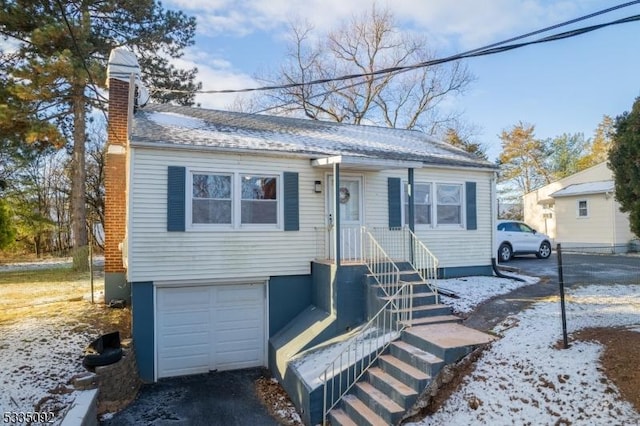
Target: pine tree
[(624, 161), (60, 63)]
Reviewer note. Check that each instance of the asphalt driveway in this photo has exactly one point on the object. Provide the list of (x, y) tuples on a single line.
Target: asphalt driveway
[(578, 269), (583, 268), (227, 398)]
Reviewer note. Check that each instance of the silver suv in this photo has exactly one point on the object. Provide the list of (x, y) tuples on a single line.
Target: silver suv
[(515, 237)]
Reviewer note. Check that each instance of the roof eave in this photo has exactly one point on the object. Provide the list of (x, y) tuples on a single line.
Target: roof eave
[(365, 163)]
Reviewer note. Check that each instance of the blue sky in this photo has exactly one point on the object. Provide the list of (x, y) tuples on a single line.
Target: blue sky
[(560, 87)]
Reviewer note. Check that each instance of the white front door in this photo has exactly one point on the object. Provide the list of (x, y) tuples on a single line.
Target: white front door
[(351, 216)]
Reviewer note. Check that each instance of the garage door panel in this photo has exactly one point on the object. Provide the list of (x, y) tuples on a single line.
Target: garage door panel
[(210, 328), (235, 296), (178, 320), (176, 299)]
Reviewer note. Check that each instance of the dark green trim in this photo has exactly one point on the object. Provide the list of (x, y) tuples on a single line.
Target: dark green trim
[(465, 271), (176, 178), (291, 201), (142, 326), (472, 216), (288, 296), (394, 200)]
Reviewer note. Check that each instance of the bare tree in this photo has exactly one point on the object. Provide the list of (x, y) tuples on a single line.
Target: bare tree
[(363, 45)]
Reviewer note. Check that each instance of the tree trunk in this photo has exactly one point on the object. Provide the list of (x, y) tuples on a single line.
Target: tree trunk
[(78, 186)]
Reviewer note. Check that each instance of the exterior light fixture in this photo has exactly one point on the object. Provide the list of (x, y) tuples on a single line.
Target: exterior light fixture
[(317, 187)]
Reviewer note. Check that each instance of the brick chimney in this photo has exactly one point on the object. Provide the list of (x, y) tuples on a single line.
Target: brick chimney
[(122, 74)]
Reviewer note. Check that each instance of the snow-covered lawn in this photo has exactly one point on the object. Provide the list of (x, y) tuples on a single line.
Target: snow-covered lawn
[(521, 379), (45, 324), (472, 291), (524, 379)]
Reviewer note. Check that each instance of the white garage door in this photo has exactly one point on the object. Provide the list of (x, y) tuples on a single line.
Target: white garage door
[(206, 328)]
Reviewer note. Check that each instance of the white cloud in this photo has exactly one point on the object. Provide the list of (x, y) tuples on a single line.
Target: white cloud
[(469, 21), (215, 74)]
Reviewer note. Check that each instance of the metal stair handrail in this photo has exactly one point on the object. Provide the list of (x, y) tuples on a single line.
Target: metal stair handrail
[(364, 349), (403, 245), (423, 261)]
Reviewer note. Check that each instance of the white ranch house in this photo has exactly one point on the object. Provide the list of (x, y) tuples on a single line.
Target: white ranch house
[(243, 240)]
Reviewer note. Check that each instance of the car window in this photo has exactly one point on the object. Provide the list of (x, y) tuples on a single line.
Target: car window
[(502, 226), (512, 227), (525, 228)]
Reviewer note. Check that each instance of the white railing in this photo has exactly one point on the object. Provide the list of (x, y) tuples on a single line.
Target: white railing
[(365, 348), (384, 271), (385, 326), (402, 245), (351, 243)]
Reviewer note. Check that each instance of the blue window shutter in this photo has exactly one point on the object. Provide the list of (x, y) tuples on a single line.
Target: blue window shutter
[(291, 201), (394, 200), (176, 177), (472, 216)]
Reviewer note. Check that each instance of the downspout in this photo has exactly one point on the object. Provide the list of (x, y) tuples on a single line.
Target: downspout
[(494, 214), (412, 213), (336, 212), (412, 208)]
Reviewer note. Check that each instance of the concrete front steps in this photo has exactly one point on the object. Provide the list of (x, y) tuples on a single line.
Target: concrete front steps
[(391, 387), (426, 308)]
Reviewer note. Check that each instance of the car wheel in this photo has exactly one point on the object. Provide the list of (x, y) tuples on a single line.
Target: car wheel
[(504, 252), (544, 251)]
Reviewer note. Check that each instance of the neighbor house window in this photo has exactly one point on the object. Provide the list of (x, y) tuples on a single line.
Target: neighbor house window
[(211, 199), (583, 210), (421, 202), (448, 204), (259, 201)]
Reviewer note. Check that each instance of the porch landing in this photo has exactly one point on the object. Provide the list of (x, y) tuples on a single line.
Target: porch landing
[(450, 335)]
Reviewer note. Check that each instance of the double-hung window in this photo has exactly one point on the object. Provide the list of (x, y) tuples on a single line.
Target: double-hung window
[(212, 199), (421, 202), (235, 200), (449, 204), (259, 203), (583, 208)]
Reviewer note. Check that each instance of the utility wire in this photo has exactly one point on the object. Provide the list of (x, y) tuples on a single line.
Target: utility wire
[(490, 49)]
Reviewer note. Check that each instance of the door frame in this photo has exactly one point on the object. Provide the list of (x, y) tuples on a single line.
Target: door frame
[(329, 200)]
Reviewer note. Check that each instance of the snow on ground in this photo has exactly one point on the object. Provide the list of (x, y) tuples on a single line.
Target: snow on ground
[(45, 264), (38, 357), (472, 291), (522, 379), (475, 290)]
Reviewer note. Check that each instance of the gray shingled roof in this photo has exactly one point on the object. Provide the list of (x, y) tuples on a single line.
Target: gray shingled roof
[(586, 188), (173, 126)]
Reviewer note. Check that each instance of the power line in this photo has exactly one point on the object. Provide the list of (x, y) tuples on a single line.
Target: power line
[(490, 49)]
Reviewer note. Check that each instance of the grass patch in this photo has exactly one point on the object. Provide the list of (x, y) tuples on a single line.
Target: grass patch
[(52, 275)]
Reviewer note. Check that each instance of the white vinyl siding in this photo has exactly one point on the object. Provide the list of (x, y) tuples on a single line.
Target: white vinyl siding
[(595, 228), (217, 254), (158, 255)]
